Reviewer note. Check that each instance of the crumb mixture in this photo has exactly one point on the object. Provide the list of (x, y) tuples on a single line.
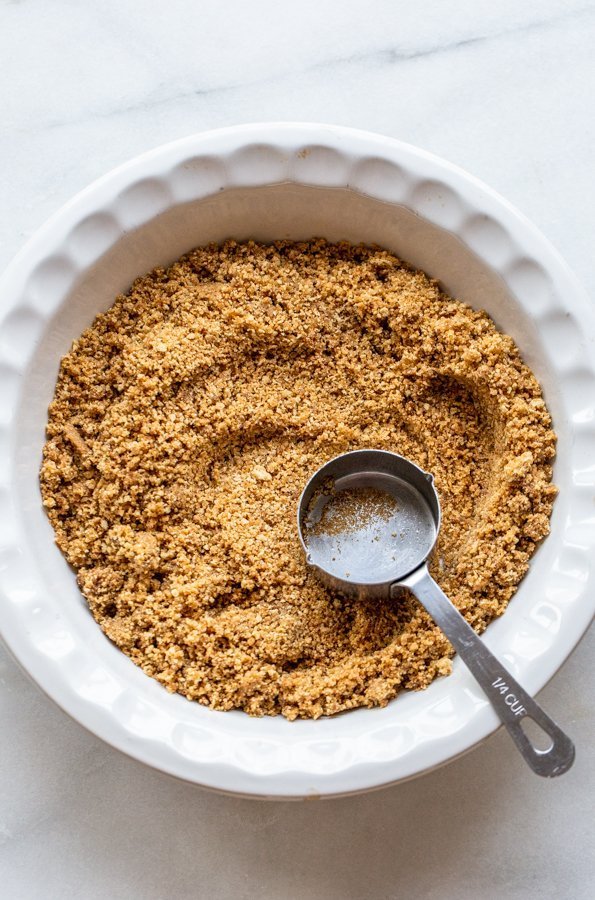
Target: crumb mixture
[(187, 419)]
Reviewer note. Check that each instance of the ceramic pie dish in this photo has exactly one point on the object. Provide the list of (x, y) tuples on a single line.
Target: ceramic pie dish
[(266, 182)]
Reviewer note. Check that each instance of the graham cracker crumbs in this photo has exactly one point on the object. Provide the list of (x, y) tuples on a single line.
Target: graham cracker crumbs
[(187, 419)]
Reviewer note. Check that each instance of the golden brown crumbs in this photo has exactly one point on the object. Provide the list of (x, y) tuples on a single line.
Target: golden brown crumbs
[(187, 419)]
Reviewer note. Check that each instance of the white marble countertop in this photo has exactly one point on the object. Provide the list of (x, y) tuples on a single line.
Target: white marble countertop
[(504, 90)]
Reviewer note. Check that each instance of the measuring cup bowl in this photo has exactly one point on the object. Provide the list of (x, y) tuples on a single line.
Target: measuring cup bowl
[(387, 472)]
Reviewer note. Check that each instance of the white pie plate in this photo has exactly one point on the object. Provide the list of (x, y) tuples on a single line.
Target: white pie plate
[(271, 181)]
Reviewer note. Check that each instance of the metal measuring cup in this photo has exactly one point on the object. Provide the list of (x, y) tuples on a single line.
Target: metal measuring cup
[(378, 546)]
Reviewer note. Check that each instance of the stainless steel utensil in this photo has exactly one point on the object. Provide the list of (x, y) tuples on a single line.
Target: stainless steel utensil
[(368, 521)]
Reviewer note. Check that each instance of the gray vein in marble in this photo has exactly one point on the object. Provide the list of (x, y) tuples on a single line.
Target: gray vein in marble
[(388, 56), (395, 55)]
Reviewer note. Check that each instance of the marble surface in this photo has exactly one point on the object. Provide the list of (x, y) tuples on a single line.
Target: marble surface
[(504, 90)]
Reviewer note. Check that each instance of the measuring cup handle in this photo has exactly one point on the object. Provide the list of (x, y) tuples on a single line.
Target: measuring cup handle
[(509, 699)]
